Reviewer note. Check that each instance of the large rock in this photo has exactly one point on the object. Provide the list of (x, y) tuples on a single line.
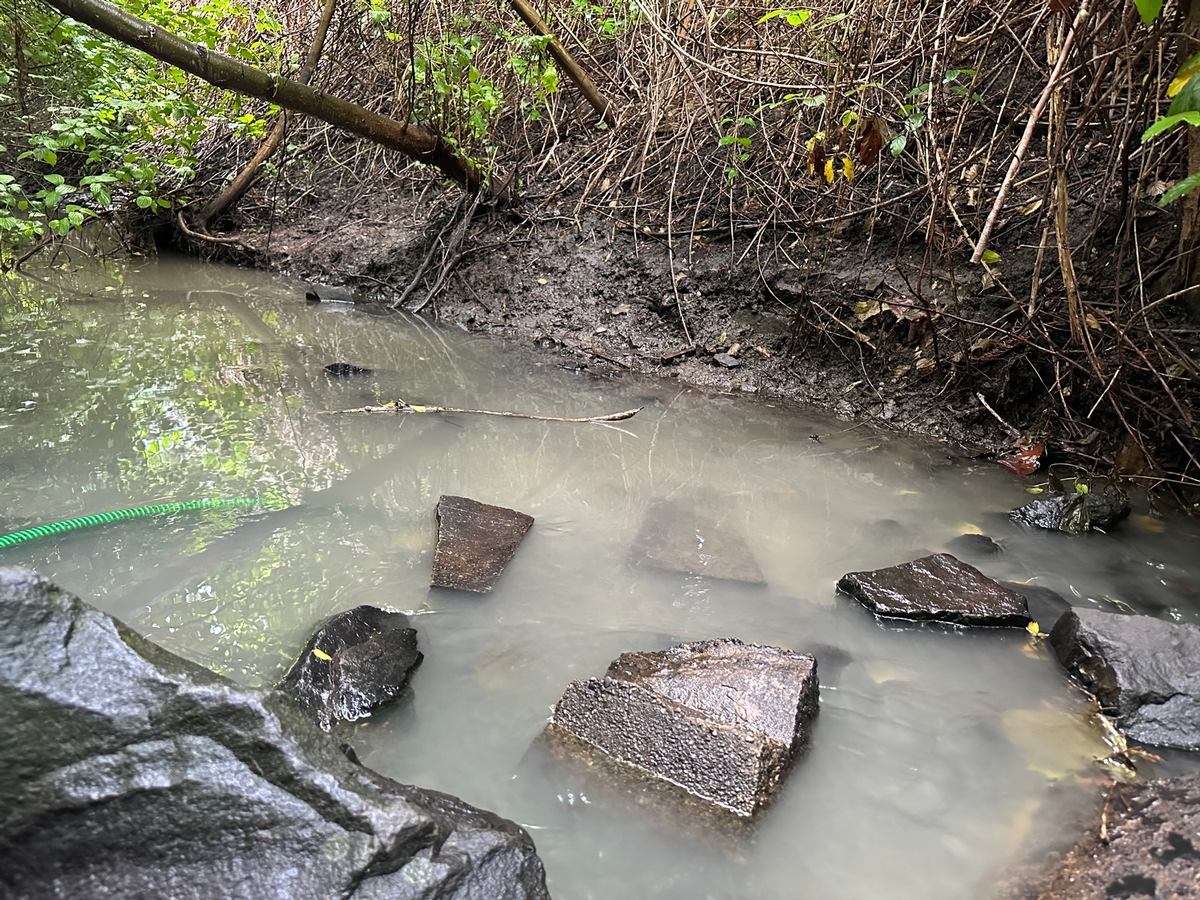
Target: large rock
[(937, 588), (126, 771), (1144, 671), (1075, 513), (475, 542), (356, 661), (721, 719), (1151, 849)]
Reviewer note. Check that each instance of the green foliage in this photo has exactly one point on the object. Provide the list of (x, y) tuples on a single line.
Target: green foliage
[(94, 127), (608, 20), (738, 144), (1149, 9)]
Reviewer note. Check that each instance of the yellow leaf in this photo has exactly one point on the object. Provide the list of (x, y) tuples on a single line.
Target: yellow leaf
[(968, 528), (321, 654), (848, 168), (829, 170), (1032, 628), (1184, 75), (417, 408)]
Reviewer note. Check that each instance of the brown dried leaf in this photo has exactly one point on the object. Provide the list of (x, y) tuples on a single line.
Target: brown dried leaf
[(868, 140)]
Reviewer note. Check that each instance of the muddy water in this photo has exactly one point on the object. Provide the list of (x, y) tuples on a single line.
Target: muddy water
[(940, 758)]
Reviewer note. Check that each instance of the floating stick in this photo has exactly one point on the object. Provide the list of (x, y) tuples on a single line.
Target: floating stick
[(402, 406)]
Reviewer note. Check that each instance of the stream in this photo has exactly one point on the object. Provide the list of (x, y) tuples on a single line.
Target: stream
[(942, 759)]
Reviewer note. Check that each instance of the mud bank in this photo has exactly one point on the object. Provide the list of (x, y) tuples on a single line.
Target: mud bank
[(806, 319)]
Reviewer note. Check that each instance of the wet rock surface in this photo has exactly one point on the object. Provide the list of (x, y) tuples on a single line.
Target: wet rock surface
[(476, 541), (126, 771), (328, 293), (1152, 851), (721, 719), (937, 588), (679, 537), (1142, 670), (1099, 509), (347, 370), (356, 662)]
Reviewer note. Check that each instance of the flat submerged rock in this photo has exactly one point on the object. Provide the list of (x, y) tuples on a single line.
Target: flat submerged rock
[(679, 537), (721, 719), (937, 588), (475, 542)]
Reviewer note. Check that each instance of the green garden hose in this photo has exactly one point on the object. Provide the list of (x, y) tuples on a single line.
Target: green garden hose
[(137, 512)]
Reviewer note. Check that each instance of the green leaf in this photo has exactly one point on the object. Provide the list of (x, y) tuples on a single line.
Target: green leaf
[(144, 202), (1180, 188), (1188, 98), (897, 144), (990, 257), (1168, 122), (1149, 9)]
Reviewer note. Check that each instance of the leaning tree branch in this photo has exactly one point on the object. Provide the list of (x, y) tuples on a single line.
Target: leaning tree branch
[(574, 71), (223, 71)]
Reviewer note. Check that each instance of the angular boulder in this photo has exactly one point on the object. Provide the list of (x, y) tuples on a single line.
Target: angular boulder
[(1151, 846), (937, 588), (475, 542), (356, 661), (1144, 671), (1074, 513), (126, 771), (721, 719), (679, 537)]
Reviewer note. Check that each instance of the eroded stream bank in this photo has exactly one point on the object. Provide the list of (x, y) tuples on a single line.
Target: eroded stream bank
[(940, 758)]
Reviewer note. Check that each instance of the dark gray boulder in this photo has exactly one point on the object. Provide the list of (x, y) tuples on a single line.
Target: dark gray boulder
[(1144, 671), (475, 542), (1151, 847), (356, 661), (126, 771), (721, 719), (937, 588), (1075, 513)]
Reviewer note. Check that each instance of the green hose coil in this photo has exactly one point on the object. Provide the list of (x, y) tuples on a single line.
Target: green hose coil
[(136, 512)]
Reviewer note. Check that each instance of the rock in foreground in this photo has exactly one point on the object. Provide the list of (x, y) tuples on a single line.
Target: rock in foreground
[(937, 588), (1144, 671), (1152, 847), (721, 719), (356, 662), (126, 771), (475, 542)]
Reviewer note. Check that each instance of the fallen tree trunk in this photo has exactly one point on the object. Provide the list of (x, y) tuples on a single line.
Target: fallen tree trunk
[(223, 71)]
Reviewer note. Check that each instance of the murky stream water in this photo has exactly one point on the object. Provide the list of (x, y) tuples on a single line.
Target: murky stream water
[(937, 757)]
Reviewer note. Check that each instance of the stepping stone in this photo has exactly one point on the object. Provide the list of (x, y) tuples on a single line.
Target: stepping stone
[(356, 661), (677, 537), (720, 719), (475, 542), (1143, 670), (937, 588)]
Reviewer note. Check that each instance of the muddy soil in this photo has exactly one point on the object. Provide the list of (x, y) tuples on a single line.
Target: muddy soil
[(796, 317)]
